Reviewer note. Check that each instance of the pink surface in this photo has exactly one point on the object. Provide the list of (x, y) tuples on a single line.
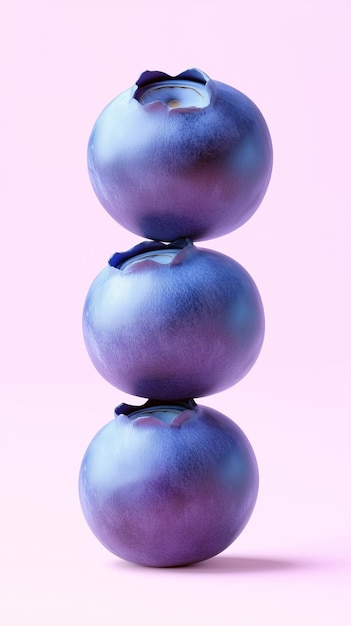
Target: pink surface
[(61, 63)]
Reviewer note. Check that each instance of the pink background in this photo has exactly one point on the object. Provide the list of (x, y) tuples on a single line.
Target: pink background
[(61, 63)]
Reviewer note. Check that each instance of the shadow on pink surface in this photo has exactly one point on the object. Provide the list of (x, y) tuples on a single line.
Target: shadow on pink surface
[(228, 564), (241, 564)]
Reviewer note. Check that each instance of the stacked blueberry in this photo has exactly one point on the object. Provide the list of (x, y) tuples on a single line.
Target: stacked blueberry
[(175, 160)]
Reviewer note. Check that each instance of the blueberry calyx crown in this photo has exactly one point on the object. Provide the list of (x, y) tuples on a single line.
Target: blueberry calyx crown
[(120, 259), (188, 90), (157, 413), (149, 77)]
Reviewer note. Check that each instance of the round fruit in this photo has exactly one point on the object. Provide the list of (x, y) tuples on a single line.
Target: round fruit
[(173, 321), (168, 485), (180, 156)]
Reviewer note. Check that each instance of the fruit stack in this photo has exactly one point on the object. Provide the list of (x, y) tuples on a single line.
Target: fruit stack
[(174, 160)]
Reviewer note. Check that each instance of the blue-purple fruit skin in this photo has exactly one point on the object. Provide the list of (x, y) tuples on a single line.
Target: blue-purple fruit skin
[(164, 495), (165, 173), (184, 329)]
